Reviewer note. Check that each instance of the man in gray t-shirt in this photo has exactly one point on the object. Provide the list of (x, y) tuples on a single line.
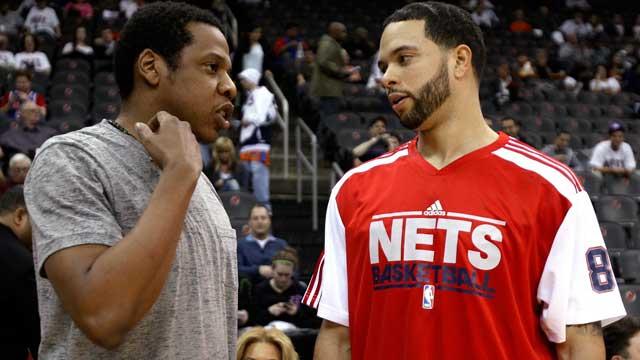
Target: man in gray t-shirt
[(135, 254)]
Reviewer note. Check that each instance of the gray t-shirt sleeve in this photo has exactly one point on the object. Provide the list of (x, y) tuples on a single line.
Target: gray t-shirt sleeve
[(67, 203)]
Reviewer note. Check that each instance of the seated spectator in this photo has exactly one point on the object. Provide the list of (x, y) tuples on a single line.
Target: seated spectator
[(622, 339), (224, 172), (12, 101), (105, 45), (82, 8), (375, 76), (519, 24), (19, 165), (484, 17), (613, 156), (79, 46), (616, 27), (377, 143), (597, 25), (545, 70), (603, 83), (43, 19), (505, 87), (32, 59), (278, 298), (525, 68), (577, 4), (258, 114), (511, 127), (263, 344), (561, 151), (576, 26), (543, 22), (20, 326), (10, 20), (28, 135), (257, 249), (7, 59)]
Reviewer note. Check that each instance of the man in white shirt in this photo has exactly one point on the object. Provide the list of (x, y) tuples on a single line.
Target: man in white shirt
[(43, 19), (613, 156)]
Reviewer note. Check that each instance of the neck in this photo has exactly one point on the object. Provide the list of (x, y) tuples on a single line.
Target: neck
[(4, 220), (260, 236), (275, 287), (134, 112), (459, 130)]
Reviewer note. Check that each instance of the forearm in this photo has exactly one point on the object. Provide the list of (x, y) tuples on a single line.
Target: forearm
[(333, 342), (364, 147), (584, 342), (124, 281)]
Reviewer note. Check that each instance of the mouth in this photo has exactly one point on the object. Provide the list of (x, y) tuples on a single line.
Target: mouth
[(397, 99), (224, 112)]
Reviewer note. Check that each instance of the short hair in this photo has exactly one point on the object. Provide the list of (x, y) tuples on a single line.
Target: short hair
[(377, 118), (515, 121), (19, 157), (286, 255), (563, 131), (618, 334), (160, 27), (23, 73), (259, 206), (275, 337), (12, 200), (448, 26)]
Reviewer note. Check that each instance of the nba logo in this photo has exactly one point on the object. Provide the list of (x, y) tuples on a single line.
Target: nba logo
[(428, 294)]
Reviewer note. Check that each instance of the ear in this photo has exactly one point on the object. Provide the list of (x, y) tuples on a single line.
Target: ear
[(150, 66), (463, 64), (617, 357), (20, 215)]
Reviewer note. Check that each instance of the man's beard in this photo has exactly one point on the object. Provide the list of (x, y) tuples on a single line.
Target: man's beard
[(430, 97)]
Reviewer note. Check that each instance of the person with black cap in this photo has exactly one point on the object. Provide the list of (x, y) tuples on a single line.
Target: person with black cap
[(377, 143), (613, 156)]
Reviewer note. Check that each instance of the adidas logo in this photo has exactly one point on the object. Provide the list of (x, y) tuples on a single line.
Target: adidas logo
[(435, 209)]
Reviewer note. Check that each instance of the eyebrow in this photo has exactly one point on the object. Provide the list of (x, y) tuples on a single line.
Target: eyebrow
[(397, 50), (224, 59)]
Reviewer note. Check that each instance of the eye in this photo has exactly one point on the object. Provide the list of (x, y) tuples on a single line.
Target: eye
[(404, 59), (213, 67)]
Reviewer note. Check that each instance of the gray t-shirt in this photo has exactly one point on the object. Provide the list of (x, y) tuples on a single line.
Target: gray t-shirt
[(90, 187)]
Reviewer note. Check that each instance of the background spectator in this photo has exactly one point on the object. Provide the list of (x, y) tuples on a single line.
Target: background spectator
[(359, 46), (512, 127), (257, 249), (613, 156), (261, 343), (603, 83), (32, 59), (484, 16), (561, 151), (43, 20), (79, 46), (519, 23), (80, 8), (287, 47), (505, 88), (377, 144), (29, 134), (224, 172), (129, 7), (7, 58), (14, 99), (278, 298), (258, 114), (251, 51), (331, 69), (10, 20), (19, 166), (20, 327), (105, 45)]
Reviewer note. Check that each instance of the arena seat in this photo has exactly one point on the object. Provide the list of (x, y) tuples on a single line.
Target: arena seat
[(620, 209)]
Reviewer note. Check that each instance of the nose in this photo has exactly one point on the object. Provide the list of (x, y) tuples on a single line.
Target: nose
[(388, 79), (227, 88)]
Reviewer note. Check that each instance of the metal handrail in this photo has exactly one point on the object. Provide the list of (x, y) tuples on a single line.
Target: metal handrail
[(312, 166), (282, 119), (336, 173)]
